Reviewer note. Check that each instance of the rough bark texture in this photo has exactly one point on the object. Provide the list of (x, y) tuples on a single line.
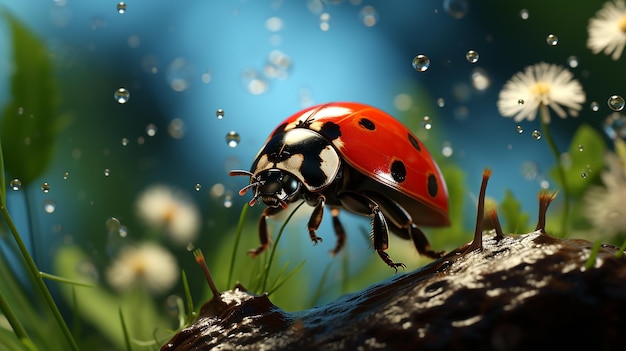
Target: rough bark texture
[(516, 293)]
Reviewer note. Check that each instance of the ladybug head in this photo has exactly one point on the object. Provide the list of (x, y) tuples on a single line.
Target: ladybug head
[(273, 186)]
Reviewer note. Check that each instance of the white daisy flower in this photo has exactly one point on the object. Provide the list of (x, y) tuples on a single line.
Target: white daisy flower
[(147, 265), (607, 29), (170, 210), (606, 206), (539, 85)]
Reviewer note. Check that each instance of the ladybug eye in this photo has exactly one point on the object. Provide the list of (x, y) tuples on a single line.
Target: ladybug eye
[(290, 184)]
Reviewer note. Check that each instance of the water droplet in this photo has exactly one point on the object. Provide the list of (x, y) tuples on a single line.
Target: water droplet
[(107, 172), (552, 39), (254, 82), (472, 56), (228, 201), (178, 74), (368, 16), (233, 138), (121, 95), (190, 247), (219, 113), (198, 186), (441, 102), (421, 63), (456, 8), (66, 175), (427, 123), (113, 224), (530, 170), (16, 184), (583, 174), (151, 129), (480, 80), (121, 7), (616, 103), (581, 148), (520, 102), (523, 13), (536, 134), (20, 110), (206, 77), (572, 61), (274, 24), (176, 128), (217, 190), (49, 206), (125, 141), (520, 130), (447, 150), (595, 106), (45, 187), (615, 126)]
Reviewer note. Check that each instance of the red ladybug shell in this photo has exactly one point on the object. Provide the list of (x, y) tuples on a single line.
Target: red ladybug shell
[(383, 149)]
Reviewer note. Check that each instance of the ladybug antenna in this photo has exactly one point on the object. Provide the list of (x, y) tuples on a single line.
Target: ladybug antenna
[(247, 187), (240, 172), (253, 201), (282, 203)]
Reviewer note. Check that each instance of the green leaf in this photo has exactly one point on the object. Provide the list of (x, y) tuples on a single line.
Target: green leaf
[(515, 220), (587, 160), (30, 121)]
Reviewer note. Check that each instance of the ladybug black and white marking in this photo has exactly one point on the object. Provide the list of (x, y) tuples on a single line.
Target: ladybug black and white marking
[(350, 156)]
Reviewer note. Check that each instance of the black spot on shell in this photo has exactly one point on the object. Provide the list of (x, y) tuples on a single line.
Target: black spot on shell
[(433, 188), (330, 130), (398, 171), (415, 142), (367, 124)]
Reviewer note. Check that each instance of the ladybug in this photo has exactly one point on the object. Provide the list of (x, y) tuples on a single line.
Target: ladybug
[(350, 156)]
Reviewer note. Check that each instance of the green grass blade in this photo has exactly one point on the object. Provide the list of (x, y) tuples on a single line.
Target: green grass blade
[(190, 310), (277, 285), (56, 278), (591, 261), (125, 330), (242, 218)]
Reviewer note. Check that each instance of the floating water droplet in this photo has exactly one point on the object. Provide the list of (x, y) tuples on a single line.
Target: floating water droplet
[(45, 187), (441, 102), (219, 113), (583, 174), (530, 170), (107, 172), (572, 61), (616, 103), (368, 16), (190, 247), (427, 123), (615, 126), (151, 129), (176, 128), (49, 206), (217, 190), (536, 134), (178, 74), (595, 106), (274, 24), (552, 39), (480, 79), (519, 129), (233, 138), (472, 56), (125, 141), (228, 201), (447, 150), (66, 175), (523, 13), (421, 63), (121, 7), (15, 184), (121, 95), (456, 8), (198, 186), (113, 224), (20, 110), (206, 77), (520, 102), (581, 148)]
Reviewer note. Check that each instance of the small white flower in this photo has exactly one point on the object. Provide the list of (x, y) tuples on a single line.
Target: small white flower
[(170, 210), (541, 84), (147, 265), (606, 206), (607, 29)]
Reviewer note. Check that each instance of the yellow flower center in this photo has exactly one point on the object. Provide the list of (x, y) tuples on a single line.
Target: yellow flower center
[(541, 89), (622, 24)]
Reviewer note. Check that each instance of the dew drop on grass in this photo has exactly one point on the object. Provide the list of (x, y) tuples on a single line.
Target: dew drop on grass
[(536, 134), (16, 184), (421, 63), (472, 56), (45, 187), (595, 106), (49, 206), (121, 7), (121, 95), (616, 103), (219, 113), (233, 138), (552, 39)]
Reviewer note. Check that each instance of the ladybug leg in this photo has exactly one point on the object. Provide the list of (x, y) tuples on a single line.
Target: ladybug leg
[(419, 239), (264, 235), (380, 238), (339, 231), (316, 219)]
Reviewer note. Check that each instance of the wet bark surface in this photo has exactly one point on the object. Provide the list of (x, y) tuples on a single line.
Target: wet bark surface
[(516, 292)]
